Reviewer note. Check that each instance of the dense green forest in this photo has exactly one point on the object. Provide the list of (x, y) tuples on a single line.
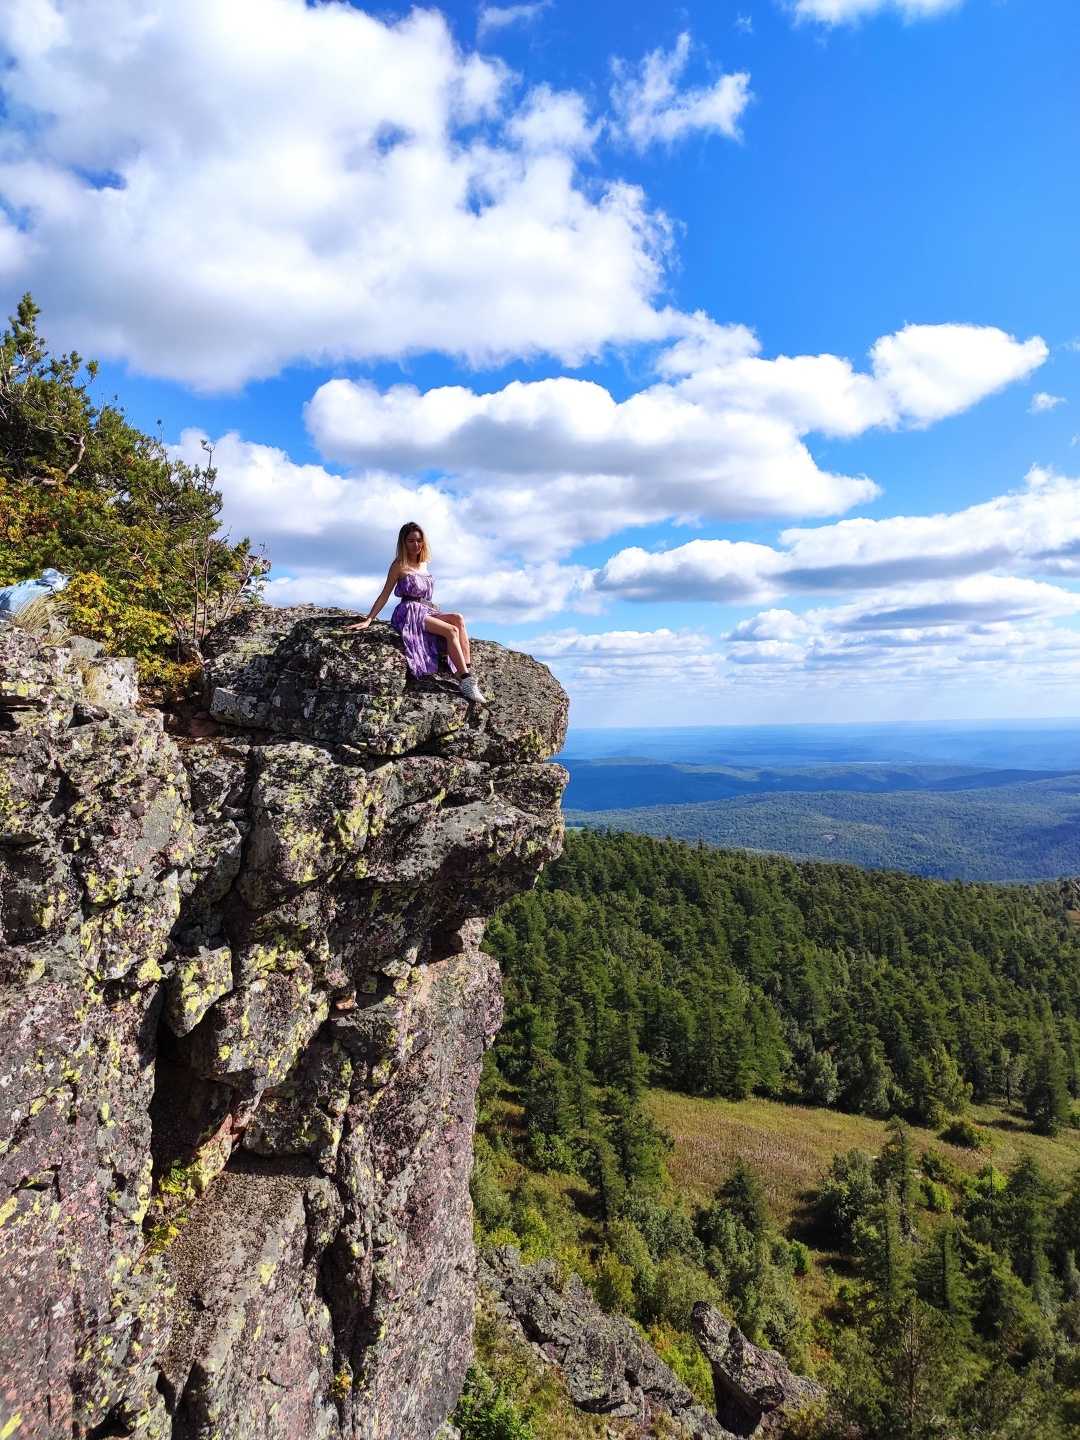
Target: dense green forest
[(952, 1302), (1025, 831), (727, 973)]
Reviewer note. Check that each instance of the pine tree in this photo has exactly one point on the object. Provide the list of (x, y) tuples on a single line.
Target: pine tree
[(938, 1088), (939, 1274), (84, 491), (1047, 1096), (744, 1195), (1027, 1207), (894, 1171), (573, 1052)]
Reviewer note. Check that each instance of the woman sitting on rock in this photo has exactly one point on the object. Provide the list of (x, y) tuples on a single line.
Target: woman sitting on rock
[(417, 619)]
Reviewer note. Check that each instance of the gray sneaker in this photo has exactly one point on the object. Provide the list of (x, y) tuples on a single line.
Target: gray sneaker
[(471, 690)]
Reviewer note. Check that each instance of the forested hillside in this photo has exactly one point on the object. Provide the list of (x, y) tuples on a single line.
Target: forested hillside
[(726, 973), (933, 1288)]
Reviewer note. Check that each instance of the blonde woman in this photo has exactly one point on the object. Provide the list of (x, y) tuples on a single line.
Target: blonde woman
[(417, 619)]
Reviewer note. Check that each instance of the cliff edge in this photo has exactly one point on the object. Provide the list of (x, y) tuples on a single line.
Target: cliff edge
[(242, 1014)]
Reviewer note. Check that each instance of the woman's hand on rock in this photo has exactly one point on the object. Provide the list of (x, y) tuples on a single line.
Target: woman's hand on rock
[(360, 624)]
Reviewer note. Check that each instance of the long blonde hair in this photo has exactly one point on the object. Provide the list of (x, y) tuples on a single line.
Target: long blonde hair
[(411, 528)]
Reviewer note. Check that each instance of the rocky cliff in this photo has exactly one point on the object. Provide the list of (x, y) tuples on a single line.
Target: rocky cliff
[(242, 1016)]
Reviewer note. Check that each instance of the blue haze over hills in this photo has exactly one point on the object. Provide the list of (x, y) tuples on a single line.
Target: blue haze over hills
[(1022, 744), (997, 800)]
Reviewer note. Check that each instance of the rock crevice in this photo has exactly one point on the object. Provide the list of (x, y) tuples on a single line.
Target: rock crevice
[(243, 1012)]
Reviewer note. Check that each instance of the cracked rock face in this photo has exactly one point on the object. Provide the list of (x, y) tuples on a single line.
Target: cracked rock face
[(243, 1011)]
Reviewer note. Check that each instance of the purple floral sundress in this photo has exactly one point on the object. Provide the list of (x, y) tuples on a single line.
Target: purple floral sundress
[(414, 591)]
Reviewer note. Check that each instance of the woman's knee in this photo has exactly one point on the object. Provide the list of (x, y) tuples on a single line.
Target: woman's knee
[(458, 621)]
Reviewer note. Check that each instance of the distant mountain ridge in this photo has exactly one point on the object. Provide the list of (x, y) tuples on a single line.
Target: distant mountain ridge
[(936, 817), (997, 744), (618, 783), (1016, 832)]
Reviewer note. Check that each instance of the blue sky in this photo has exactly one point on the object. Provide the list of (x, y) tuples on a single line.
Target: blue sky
[(528, 274)]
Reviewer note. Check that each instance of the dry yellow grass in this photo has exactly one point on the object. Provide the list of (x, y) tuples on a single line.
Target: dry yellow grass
[(792, 1146)]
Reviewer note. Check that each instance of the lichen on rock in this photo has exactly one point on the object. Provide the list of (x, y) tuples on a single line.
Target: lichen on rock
[(243, 1012)]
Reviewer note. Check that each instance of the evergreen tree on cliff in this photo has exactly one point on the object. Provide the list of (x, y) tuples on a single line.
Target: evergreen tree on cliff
[(82, 490)]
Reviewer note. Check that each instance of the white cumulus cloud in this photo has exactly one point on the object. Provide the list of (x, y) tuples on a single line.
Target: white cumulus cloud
[(332, 537), (498, 17), (656, 662), (550, 464), (651, 107), (1034, 530), (215, 190), (984, 629)]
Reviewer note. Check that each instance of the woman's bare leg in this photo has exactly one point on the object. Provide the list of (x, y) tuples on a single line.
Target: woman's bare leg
[(436, 625), (458, 621)]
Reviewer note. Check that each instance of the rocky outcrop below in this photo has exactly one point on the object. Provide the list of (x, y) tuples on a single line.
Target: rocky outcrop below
[(243, 1009), (756, 1390), (609, 1369)]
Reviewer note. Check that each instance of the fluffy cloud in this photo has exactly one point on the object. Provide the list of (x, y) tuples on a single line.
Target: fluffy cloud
[(550, 464), (916, 611), (652, 108), (332, 537), (925, 600), (839, 12), (993, 627), (930, 371), (1035, 530), (1041, 402), (732, 572), (622, 643), (498, 17), (979, 634), (213, 190), (657, 660)]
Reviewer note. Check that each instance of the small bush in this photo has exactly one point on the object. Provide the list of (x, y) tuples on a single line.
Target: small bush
[(667, 1229), (967, 1135), (800, 1258), (534, 1234), (847, 1194), (491, 1204), (935, 1196), (937, 1166), (486, 1412), (683, 1354), (614, 1284)]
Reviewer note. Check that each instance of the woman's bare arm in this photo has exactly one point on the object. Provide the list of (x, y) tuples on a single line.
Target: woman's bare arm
[(393, 576)]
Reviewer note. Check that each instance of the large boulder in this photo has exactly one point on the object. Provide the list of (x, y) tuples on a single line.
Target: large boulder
[(243, 1009), (302, 672), (756, 1390)]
